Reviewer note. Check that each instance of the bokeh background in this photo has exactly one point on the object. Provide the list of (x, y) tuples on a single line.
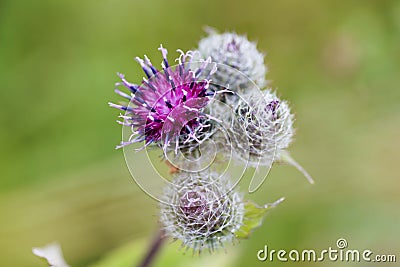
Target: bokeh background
[(337, 62)]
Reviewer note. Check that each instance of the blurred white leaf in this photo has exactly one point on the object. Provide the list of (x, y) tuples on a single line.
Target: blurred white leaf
[(52, 254)]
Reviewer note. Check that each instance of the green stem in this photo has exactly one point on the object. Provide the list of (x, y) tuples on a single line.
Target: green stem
[(285, 157)]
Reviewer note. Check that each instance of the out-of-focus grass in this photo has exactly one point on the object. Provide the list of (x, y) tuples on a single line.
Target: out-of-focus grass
[(134, 251), (61, 179), (88, 213)]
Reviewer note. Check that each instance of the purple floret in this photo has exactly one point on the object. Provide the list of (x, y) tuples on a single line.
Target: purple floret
[(169, 103)]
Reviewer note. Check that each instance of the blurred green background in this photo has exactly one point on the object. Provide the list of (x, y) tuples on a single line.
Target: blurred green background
[(337, 62)]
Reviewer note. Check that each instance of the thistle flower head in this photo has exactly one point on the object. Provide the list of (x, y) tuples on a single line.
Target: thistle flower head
[(201, 210), (237, 52), (268, 126), (168, 104)]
